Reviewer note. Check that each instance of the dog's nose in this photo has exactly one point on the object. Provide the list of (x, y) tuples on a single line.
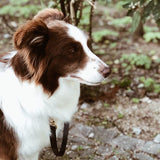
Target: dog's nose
[(105, 72)]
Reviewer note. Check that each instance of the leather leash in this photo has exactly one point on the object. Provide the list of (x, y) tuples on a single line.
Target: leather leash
[(53, 138)]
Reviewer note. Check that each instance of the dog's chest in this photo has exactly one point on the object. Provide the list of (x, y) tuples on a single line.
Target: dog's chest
[(65, 99), (62, 105)]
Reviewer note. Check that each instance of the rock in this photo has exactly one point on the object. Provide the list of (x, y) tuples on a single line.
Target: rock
[(105, 151), (157, 139), (127, 143), (137, 130), (6, 36), (14, 24), (116, 61), (141, 85), (105, 135), (155, 57), (98, 143), (79, 134), (121, 153), (142, 156), (150, 148), (74, 147), (113, 158), (135, 107), (84, 106), (91, 135), (87, 154), (146, 99), (130, 93)]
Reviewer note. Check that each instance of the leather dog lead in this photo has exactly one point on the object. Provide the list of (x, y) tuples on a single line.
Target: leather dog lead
[(53, 138)]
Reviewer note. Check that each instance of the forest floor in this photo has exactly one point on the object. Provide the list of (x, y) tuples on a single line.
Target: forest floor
[(118, 120)]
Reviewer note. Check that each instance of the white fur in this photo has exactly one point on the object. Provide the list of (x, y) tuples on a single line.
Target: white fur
[(27, 109), (90, 74)]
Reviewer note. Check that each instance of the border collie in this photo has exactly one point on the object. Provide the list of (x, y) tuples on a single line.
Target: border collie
[(41, 79)]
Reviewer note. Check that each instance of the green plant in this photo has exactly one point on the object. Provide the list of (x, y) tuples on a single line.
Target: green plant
[(139, 60), (135, 100), (98, 35), (150, 29), (80, 148), (106, 105), (140, 10), (150, 84), (20, 8), (123, 83), (120, 115), (158, 61), (151, 36), (115, 81), (121, 22), (84, 21)]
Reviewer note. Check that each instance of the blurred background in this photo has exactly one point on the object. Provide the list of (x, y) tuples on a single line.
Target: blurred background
[(124, 34)]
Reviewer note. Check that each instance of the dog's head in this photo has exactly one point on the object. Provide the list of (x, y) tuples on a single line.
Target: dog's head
[(50, 48)]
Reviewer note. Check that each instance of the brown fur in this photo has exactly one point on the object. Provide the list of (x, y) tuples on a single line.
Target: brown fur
[(8, 145), (48, 15)]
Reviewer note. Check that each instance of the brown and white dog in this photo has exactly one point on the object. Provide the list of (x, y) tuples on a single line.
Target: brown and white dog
[(41, 79)]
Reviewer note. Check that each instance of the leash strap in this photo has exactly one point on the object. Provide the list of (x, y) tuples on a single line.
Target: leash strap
[(53, 139)]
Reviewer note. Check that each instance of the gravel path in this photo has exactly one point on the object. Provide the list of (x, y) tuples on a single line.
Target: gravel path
[(98, 143)]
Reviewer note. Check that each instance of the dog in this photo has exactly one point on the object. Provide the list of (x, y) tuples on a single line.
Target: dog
[(41, 79)]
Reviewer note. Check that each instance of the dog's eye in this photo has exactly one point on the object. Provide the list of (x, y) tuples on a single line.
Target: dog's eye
[(74, 49), (71, 51)]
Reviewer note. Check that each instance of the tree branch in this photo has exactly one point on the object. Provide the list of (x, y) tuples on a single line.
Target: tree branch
[(90, 23), (72, 12), (63, 7)]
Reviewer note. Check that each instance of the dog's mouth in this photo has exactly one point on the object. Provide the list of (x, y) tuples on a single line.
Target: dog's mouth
[(86, 82)]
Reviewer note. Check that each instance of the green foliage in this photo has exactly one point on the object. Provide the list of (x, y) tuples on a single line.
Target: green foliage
[(158, 61), (104, 1), (20, 8), (80, 148), (150, 84), (115, 81), (85, 16), (151, 36), (135, 100), (120, 115), (125, 82), (98, 35), (139, 60), (140, 10), (136, 21), (121, 22), (150, 29), (106, 105), (113, 45), (100, 51)]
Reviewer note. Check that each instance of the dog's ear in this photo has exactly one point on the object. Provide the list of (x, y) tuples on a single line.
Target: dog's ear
[(30, 40), (31, 35), (49, 14)]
